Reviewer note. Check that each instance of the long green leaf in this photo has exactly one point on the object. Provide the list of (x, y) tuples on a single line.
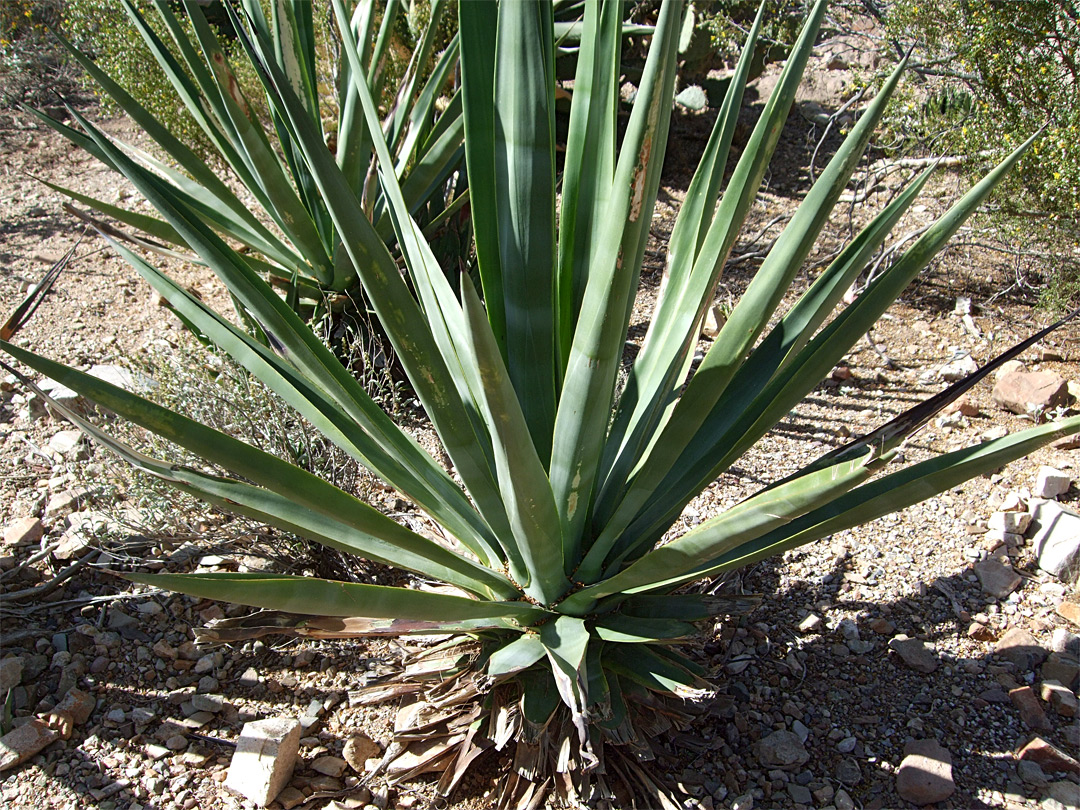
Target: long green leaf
[(590, 161), (363, 430), (477, 27), (585, 401), (321, 597), (457, 376), (292, 483), (518, 655), (676, 325), (289, 333), (286, 206), (566, 640), (757, 515), (525, 487), (525, 205), (644, 399), (889, 494), (703, 462)]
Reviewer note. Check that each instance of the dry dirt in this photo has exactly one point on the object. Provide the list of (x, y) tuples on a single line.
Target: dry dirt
[(856, 701)]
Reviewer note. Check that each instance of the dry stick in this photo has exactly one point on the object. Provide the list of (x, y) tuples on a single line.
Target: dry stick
[(40, 555), (52, 584)]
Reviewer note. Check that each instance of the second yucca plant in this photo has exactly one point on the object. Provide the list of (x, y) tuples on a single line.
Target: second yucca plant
[(549, 569)]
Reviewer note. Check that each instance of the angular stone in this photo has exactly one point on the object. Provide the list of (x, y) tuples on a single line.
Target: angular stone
[(783, 750), (1050, 483), (1048, 756), (848, 772), (980, 632), (23, 531), (208, 703), (1031, 713), (1009, 367), (1069, 611), (290, 797), (64, 503), (843, 801), (1030, 773), (810, 624), (11, 673), (1066, 792), (693, 98), (1010, 522), (65, 441), (963, 406), (76, 705), (329, 766), (799, 793), (264, 759), (358, 749), (1029, 392), (1063, 701), (925, 775), (997, 578), (21, 743), (1055, 536), (914, 653), (958, 369), (1020, 648), (1063, 667)]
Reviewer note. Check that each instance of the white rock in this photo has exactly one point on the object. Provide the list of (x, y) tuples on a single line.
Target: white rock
[(264, 759), (65, 441), (1011, 522), (1051, 483), (958, 369), (1055, 536), (810, 624)]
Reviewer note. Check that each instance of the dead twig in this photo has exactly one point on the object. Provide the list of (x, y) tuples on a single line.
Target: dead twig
[(52, 584)]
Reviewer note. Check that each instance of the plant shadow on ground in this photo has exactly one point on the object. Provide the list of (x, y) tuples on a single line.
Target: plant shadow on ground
[(783, 675)]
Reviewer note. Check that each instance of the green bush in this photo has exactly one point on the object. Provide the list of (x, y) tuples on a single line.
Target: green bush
[(996, 71), (105, 32), (32, 69)]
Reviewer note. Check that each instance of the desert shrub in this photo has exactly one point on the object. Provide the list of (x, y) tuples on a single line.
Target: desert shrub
[(994, 72), (105, 31), (32, 69)]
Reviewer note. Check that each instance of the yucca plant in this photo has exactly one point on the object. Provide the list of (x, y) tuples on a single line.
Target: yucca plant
[(554, 572), (270, 203)]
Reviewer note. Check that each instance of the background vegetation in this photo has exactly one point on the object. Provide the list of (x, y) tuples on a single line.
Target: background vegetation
[(993, 72)]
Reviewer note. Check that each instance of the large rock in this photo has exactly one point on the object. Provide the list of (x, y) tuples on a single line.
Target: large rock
[(925, 775), (1020, 648), (23, 531), (1031, 712), (782, 749), (914, 653), (996, 577), (264, 759), (1063, 667), (1048, 756), (1055, 536), (1050, 483), (19, 744), (1061, 699), (358, 749), (1030, 392)]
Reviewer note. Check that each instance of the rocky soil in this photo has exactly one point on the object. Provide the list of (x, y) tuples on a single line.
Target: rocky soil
[(905, 661)]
